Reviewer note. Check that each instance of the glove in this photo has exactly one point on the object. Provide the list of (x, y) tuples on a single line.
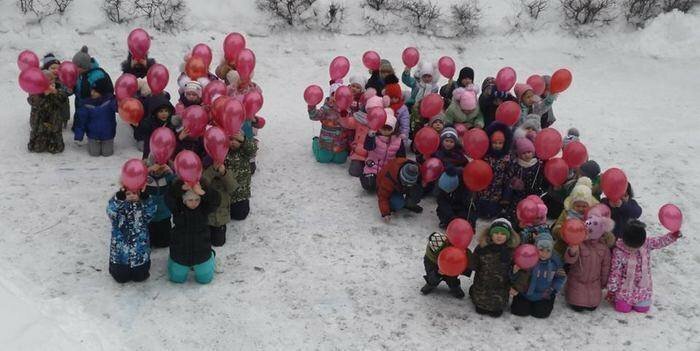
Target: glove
[(500, 94)]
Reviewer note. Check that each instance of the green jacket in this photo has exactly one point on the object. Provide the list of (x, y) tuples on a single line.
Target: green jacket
[(238, 162), (224, 185), (436, 242), (454, 114)]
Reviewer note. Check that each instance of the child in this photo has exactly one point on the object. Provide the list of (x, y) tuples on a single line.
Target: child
[(525, 175), (623, 210), (51, 63), (160, 115), (536, 290), (491, 98), (358, 122), (129, 252), (222, 181), (528, 128), (464, 110), (90, 73), (464, 80), (139, 68), (331, 145), (436, 243), (241, 149), (97, 119), (377, 80), (160, 177), (191, 95), (454, 199), (590, 265), (46, 119), (393, 91), (531, 103), (548, 117), (451, 152), (381, 149), (422, 85), (531, 231), (492, 262), (490, 201), (629, 284), (190, 245), (238, 90), (575, 206), (398, 186)]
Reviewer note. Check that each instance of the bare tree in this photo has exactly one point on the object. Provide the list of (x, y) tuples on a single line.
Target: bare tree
[(534, 7), (680, 5), (62, 5), (422, 13), (466, 17), (638, 12), (582, 12), (378, 4), (292, 12), (119, 11), (334, 16)]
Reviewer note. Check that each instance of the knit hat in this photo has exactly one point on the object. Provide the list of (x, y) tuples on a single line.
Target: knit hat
[(521, 89), (635, 234), (466, 99), (449, 133), (193, 86), (501, 225), (596, 226), (448, 183), (49, 60), (359, 80), (545, 241), (438, 117), (573, 132), (409, 173), (426, 68), (524, 145), (465, 72), (581, 193), (392, 87), (190, 195), (590, 169), (82, 58), (532, 121), (103, 86)]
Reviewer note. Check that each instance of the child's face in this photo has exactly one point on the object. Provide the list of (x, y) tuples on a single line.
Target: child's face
[(580, 207), (545, 254), (527, 156), (499, 238), (529, 98), (163, 114), (466, 81), (386, 131), (54, 69), (426, 79), (191, 96), (497, 145), (192, 203), (438, 126), (355, 89), (448, 144), (94, 94), (132, 196), (385, 72)]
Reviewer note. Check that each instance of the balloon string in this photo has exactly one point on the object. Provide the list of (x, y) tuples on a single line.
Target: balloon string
[(471, 203), (537, 173)]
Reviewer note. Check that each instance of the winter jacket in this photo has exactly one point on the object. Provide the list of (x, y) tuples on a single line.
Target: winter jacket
[(157, 187), (560, 245), (457, 204), (493, 265), (357, 145), (630, 270), (139, 71), (238, 163), (588, 273), (403, 119), (538, 108), (500, 164), (195, 145), (621, 215), (190, 241), (488, 107), (455, 114), (544, 280), (331, 137), (528, 235), (97, 118), (46, 122), (452, 158), (86, 81), (130, 243), (530, 177), (151, 122), (388, 182), (376, 82), (381, 150), (224, 185), (419, 89)]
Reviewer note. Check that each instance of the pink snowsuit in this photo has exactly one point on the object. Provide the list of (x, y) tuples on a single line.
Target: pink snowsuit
[(588, 274), (385, 151)]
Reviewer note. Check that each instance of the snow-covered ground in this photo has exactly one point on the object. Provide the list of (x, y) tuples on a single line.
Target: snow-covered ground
[(314, 267)]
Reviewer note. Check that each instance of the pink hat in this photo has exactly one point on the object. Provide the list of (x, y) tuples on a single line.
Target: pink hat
[(524, 145), (521, 89), (468, 101), (374, 101)]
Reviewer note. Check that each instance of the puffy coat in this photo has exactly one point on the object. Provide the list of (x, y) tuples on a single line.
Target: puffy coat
[(388, 182), (130, 243), (96, 118), (403, 118), (151, 122), (157, 187), (418, 88), (629, 209), (238, 163), (455, 114), (331, 137), (493, 265), (488, 107), (224, 185), (588, 273), (357, 146), (499, 160), (452, 158), (381, 150), (543, 279), (86, 81)]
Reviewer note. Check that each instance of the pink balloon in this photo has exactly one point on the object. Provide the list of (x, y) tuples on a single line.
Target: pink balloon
[(446, 66), (600, 210), (212, 89), (252, 102), (508, 113), (195, 119), (162, 144), (526, 256), (431, 105), (671, 217), (427, 141), (537, 83), (461, 129), (556, 171), (157, 78), (134, 174), (476, 143), (216, 143), (139, 43), (33, 81), (27, 59), (245, 64), (188, 167), (526, 212), (460, 233), (68, 74), (313, 95), (202, 51), (505, 79), (126, 86), (575, 154), (233, 44), (410, 57), (232, 117), (614, 184), (371, 60), (343, 98), (431, 170), (452, 261), (547, 143), (339, 68), (376, 118)]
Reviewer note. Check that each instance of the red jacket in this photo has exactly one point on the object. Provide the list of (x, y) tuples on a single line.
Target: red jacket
[(388, 182)]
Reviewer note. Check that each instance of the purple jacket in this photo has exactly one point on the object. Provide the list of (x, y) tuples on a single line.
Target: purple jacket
[(588, 273), (404, 120)]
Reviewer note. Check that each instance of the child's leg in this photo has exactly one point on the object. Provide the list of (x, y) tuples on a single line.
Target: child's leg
[(204, 272), (397, 201), (120, 272), (177, 272), (642, 307), (455, 288), (432, 277), (622, 306), (218, 235), (542, 308), (356, 168), (93, 147), (520, 306), (240, 210), (107, 147), (160, 233), (494, 314), (369, 182), (140, 273), (340, 157), (322, 156), (578, 308)]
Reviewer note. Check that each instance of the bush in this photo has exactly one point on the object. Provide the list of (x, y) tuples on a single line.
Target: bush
[(163, 15), (378, 4), (119, 11), (290, 12), (638, 12), (421, 13), (334, 17), (680, 5), (534, 8), (584, 12), (43, 8), (466, 17)]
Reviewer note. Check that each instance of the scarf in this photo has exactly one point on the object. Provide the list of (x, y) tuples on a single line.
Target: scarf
[(527, 164)]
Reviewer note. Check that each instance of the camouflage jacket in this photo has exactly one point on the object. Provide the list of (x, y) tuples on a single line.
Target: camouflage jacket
[(238, 162)]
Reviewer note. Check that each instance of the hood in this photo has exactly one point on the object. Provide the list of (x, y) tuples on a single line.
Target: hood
[(497, 126)]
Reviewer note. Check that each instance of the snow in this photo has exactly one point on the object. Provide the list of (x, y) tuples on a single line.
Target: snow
[(314, 267)]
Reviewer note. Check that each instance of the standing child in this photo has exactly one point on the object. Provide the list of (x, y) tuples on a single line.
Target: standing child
[(490, 201), (160, 177), (531, 103), (629, 284), (97, 118), (575, 206), (493, 261), (51, 63), (451, 151), (436, 243), (223, 182), (491, 98), (331, 144), (241, 149), (381, 149), (46, 119), (129, 252)]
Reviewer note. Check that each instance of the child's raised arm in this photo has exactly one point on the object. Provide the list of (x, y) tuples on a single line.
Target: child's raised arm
[(659, 242)]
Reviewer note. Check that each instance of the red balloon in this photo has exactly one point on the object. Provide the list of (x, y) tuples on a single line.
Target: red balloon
[(27, 59), (575, 154), (614, 184), (561, 80), (313, 95), (371, 60), (410, 57), (157, 78), (126, 86), (261, 122), (252, 102), (33, 81), (376, 118), (452, 261), (431, 170), (556, 171), (343, 98), (188, 167), (217, 108), (547, 143), (195, 68), (427, 141), (526, 256), (527, 212), (671, 217), (212, 89), (245, 64), (216, 143), (508, 113), (339, 68), (505, 79), (232, 117), (162, 144), (477, 175), (195, 119), (446, 66), (600, 210), (461, 129), (460, 233), (134, 174), (476, 143), (431, 105), (537, 83), (233, 44), (204, 52), (131, 110), (68, 74), (573, 231), (139, 42)]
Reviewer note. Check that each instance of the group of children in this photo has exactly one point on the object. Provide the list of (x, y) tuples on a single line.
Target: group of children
[(167, 212), (615, 255)]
